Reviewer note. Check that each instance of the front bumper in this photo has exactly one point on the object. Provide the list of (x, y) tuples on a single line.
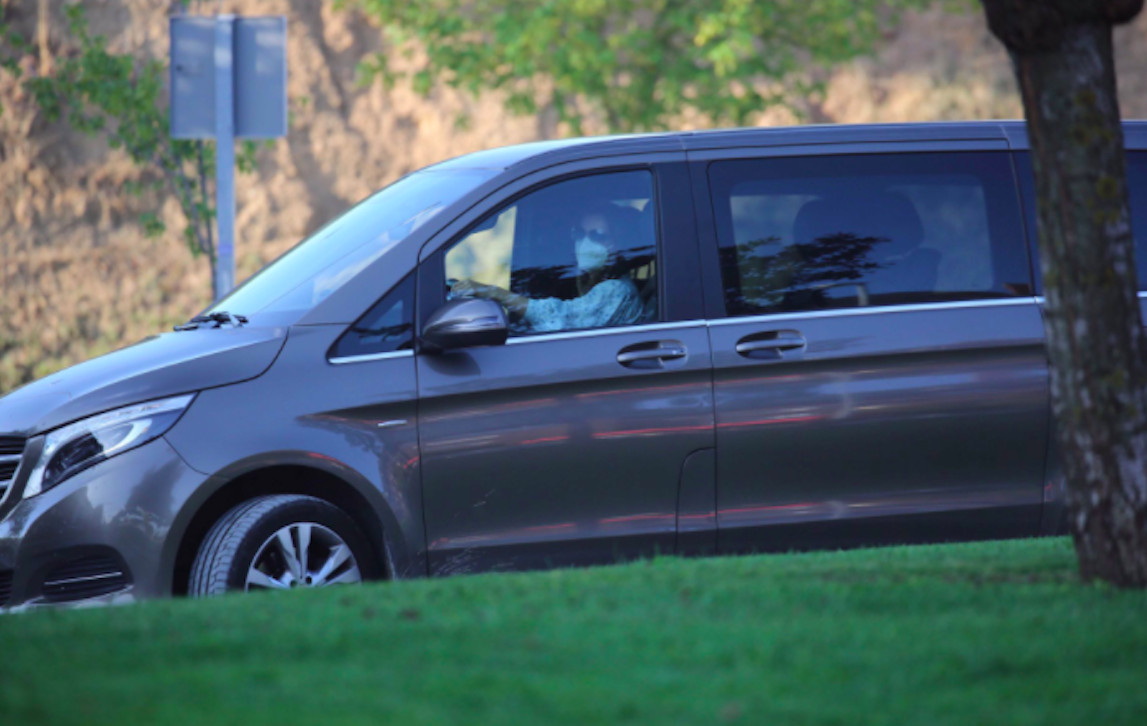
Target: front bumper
[(103, 536)]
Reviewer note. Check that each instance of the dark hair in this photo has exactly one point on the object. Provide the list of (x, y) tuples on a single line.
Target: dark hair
[(609, 212)]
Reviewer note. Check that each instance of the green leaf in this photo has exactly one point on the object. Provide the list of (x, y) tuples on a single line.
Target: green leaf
[(152, 225), (637, 64)]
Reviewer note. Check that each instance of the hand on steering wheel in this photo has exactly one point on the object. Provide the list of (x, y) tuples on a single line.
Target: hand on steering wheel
[(467, 288)]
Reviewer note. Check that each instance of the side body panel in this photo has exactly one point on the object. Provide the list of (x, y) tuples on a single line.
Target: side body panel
[(547, 450), (901, 423), (896, 426), (354, 421)]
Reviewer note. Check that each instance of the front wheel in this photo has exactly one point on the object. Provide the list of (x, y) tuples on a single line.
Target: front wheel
[(281, 542)]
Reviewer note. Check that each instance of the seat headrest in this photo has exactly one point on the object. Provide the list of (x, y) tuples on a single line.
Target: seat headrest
[(634, 232), (886, 216)]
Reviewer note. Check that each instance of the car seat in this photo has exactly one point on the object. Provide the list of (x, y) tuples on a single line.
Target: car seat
[(635, 243), (886, 232)]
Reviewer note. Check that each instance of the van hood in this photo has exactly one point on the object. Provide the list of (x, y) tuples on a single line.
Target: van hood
[(156, 367)]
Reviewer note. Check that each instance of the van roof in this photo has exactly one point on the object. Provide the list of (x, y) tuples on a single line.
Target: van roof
[(558, 150)]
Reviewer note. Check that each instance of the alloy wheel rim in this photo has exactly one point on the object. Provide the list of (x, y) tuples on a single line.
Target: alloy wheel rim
[(302, 554)]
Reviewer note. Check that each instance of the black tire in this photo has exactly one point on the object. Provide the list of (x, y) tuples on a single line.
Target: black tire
[(228, 552)]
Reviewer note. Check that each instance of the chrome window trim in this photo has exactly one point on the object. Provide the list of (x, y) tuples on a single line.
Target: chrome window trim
[(1041, 299), (344, 360), (877, 310), (679, 325), (573, 334)]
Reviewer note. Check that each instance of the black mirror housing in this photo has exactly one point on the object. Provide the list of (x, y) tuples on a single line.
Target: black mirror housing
[(465, 323)]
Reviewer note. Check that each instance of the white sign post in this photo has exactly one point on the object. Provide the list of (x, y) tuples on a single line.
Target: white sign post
[(228, 81)]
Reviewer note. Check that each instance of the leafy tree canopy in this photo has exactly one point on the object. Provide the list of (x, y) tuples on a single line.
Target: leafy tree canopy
[(635, 64)]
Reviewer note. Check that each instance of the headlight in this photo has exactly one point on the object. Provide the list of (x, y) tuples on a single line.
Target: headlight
[(77, 446)]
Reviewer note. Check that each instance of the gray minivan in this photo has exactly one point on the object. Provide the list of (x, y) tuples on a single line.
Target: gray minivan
[(573, 352)]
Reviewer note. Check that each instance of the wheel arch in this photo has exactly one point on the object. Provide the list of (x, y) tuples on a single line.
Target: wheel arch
[(284, 479)]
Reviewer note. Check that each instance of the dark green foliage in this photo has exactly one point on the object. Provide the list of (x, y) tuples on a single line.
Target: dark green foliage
[(636, 64), (12, 46)]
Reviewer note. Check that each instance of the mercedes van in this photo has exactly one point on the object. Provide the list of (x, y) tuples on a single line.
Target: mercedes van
[(573, 352)]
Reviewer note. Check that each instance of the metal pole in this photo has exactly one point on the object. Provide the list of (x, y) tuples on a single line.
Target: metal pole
[(224, 154)]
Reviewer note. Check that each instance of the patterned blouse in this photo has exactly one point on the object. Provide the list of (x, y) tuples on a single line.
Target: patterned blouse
[(609, 303)]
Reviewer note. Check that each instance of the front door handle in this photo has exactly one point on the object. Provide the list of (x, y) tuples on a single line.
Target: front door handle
[(771, 344), (653, 354)]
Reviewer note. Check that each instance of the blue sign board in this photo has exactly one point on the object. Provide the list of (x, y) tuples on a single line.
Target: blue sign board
[(258, 71), (228, 81)]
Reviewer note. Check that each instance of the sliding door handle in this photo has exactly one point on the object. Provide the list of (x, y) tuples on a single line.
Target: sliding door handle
[(769, 345), (652, 355)]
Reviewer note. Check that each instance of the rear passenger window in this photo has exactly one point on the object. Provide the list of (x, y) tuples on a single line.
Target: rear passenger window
[(1137, 195), (815, 233)]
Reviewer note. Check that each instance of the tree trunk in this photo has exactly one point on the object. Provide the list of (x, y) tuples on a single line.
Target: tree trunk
[(1062, 54)]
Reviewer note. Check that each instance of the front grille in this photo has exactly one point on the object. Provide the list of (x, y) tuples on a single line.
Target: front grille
[(5, 586), (89, 576), (11, 450)]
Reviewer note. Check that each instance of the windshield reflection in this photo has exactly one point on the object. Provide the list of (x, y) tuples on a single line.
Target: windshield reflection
[(328, 259)]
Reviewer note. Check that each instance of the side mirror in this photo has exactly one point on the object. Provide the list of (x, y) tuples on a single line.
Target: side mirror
[(465, 323)]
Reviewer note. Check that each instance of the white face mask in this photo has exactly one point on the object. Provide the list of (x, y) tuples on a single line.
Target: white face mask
[(590, 255)]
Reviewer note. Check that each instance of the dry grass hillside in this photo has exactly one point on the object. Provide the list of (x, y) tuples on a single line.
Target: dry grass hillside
[(78, 277)]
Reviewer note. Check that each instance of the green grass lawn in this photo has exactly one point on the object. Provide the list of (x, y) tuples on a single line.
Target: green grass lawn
[(959, 634)]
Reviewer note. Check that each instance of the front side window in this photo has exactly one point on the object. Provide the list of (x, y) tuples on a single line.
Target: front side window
[(800, 234), (575, 255)]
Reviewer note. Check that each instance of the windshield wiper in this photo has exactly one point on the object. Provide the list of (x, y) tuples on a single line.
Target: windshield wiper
[(219, 319)]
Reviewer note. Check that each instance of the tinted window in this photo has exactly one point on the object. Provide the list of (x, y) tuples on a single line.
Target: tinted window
[(1137, 196), (386, 327), (577, 254), (1137, 193), (846, 231)]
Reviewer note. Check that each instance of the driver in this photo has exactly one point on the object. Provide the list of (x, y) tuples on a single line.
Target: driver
[(604, 300)]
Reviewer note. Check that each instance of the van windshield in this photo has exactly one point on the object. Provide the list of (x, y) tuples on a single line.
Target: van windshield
[(322, 263)]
